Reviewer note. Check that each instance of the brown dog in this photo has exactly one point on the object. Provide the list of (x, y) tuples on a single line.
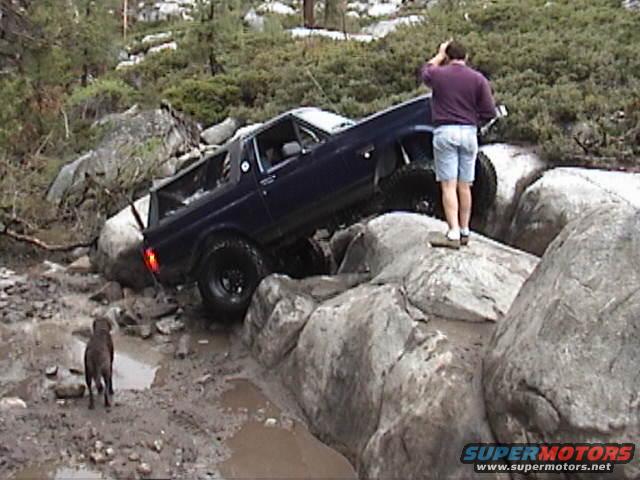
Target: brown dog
[(98, 360)]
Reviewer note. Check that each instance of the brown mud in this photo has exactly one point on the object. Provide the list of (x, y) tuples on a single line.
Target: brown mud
[(214, 414)]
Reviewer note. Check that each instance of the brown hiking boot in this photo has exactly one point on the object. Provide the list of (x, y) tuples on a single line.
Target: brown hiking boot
[(464, 240), (442, 241)]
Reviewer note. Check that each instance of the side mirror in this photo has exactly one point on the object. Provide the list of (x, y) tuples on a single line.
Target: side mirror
[(291, 149)]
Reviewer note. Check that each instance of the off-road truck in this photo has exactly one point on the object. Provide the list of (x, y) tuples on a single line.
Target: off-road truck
[(252, 206)]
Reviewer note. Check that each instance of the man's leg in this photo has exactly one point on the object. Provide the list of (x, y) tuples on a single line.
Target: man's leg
[(466, 176), (445, 153), (464, 205), (451, 209)]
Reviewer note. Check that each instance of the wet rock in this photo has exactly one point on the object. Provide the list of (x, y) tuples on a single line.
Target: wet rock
[(110, 292), (129, 318), (183, 347), (562, 195), (51, 371), (145, 331), (82, 265), (169, 325), (270, 422), (204, 379), (69, 390), (98, 457), (157, 445), (134, 457), (221, 132), (117, 255), (144, 469), (155, 309), (10, 403), (516, 168), (566, 370), (376, 365)]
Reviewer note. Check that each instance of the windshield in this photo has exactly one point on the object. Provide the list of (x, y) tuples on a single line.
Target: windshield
[(327, 121)]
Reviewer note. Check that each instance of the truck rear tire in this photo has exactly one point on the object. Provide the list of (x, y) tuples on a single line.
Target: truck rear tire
[(485, 187), (412, 188), (230, 272)]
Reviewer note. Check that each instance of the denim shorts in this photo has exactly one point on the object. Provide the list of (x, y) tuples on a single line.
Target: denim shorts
[(455, 148)]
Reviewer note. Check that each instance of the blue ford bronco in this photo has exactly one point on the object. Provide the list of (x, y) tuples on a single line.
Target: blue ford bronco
[(252, 206)]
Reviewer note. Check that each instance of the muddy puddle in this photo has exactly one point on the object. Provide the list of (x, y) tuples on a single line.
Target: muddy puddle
[(55, 472), (272, 445)]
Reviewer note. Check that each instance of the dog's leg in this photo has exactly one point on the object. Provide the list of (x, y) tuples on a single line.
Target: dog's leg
[(110, 380), (87, 377), (106, 389)]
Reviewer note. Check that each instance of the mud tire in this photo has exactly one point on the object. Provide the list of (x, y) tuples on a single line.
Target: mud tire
[(307, 258), (485, 187), (412, 188), (230, 272)]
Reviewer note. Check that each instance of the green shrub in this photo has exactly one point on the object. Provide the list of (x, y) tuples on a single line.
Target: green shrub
[(206, 99), (105, 95)]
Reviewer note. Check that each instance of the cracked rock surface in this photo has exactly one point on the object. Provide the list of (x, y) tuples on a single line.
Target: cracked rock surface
[(563, 364), (384, 359)]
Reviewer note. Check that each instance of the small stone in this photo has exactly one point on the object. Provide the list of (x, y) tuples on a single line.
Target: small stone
[(98, 445), (287, 423), (183, 348), (9, 403), (203, 341), (169, 325), (51, 371), (157, 445), (81, 265), (270, 422), (204, 379), (145, 331), (69, 390), (97, 457), (134, 457), (110, 292), (110, 452), (144, 469)]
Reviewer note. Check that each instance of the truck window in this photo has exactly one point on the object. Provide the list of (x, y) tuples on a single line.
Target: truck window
[(310, 136), (270, 142)]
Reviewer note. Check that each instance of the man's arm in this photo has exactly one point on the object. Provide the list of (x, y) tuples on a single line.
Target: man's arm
[(486, 103), (437, 60)]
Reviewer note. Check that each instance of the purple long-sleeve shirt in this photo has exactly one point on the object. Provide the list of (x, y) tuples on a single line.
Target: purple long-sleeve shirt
[(461, 95)]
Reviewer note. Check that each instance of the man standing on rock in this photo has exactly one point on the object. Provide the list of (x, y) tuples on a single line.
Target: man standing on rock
[(461, 101)]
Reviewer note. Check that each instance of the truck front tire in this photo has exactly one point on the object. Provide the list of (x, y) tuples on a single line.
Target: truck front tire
[(230, 272)]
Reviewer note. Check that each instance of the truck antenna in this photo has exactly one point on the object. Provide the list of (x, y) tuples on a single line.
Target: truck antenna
[(313, 79)]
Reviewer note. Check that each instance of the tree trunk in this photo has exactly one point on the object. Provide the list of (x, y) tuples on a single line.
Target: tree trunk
[(332, 13), (309, 14)]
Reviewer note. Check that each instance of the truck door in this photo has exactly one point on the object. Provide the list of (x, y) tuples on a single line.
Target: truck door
[(292, 180)]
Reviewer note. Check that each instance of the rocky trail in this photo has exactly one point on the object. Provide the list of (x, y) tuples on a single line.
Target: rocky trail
[(189, 400)]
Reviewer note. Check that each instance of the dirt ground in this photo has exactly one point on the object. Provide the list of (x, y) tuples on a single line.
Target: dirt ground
[(213, 414)]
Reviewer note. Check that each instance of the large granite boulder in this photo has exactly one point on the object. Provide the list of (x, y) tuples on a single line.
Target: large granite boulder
[(221, 132), (516, 168), (384, 358), (562, 366), (118, 255), (562, 195), (135, 147)]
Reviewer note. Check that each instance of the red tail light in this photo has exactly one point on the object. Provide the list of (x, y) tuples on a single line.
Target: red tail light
[(151, 260)]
